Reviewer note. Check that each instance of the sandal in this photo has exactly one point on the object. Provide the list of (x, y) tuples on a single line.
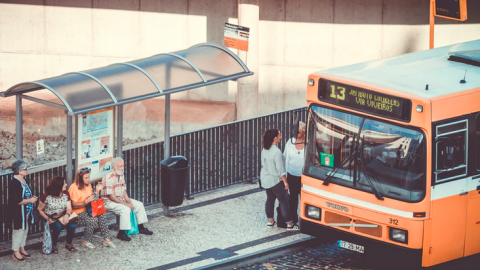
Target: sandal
[(109, 244), (55, 249), (88, 245), (17, 259), (28, 256), (270, 224), (69, 247)]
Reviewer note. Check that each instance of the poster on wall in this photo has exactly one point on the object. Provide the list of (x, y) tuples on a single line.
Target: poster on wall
[(40, 147), (95, 142)]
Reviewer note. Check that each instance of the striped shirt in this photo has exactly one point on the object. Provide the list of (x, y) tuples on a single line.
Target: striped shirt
[(272, 167), (113, 184)]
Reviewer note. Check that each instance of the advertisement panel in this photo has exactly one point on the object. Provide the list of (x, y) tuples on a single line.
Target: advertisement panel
[(95, 142), (236, 36)]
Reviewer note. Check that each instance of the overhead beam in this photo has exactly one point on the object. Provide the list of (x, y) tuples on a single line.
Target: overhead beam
[(44, 102)]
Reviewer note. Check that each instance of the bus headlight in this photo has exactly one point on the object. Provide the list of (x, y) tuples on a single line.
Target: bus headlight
[(313, 212), (399, 235)]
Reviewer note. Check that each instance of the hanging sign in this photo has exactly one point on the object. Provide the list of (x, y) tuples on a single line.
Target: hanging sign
[(95, 142), (236, 36), (40, 147), (451, 9)]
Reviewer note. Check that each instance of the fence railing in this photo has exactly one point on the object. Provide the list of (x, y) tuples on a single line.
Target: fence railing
[(219, 156)]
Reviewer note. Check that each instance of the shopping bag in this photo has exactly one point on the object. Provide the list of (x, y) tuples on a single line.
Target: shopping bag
[(133, 222), (47, 240), (96, 208)]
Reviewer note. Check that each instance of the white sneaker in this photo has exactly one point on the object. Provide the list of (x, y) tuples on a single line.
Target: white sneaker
[(294, 227)]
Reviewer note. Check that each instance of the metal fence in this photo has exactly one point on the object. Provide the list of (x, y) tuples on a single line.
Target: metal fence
[(219, 156)]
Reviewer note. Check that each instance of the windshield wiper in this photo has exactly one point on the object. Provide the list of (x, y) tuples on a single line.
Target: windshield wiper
[(358, 157), (369, 180), (337, 168)]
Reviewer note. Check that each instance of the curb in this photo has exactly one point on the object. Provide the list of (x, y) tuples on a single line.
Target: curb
[(260, 256)]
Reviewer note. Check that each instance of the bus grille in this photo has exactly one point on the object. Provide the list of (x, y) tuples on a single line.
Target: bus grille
[(377, 232), (336, 218)]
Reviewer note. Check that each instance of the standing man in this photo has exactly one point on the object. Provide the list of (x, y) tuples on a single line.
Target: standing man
[(116, 200)]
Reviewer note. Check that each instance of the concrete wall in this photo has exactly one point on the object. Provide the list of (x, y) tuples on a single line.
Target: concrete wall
[(44, 38)]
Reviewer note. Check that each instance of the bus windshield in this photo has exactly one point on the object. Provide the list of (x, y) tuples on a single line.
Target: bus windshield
[(365, 154)]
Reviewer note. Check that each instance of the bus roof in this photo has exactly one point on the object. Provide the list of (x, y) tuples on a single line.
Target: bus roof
[(412, 72)]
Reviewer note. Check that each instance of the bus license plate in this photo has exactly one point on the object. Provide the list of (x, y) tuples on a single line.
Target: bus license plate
[(350, 246)]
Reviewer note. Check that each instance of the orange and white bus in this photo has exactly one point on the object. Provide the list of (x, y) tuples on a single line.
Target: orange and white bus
[(392, 158)]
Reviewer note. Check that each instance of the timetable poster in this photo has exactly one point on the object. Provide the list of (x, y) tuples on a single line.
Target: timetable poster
[(95, 142)]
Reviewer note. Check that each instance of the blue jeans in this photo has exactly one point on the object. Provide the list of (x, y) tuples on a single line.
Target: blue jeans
[(278, 192), (57, 227)]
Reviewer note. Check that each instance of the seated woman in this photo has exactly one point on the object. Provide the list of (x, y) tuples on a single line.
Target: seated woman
[(81, 193), (55, 207)]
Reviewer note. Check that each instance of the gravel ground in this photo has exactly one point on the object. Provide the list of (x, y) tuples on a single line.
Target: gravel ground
[(182, 240)]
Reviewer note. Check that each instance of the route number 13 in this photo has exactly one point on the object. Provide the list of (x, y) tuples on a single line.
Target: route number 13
[(341, 91)]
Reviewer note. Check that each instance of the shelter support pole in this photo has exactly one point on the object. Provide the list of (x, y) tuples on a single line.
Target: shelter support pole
[(432, 23), (120, 131), (166, 149), (167, 126), (77, 149), (69, 168), (247, 88), (19, 126)]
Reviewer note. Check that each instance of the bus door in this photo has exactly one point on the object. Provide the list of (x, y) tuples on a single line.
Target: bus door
[(472, 237), (449, 191)]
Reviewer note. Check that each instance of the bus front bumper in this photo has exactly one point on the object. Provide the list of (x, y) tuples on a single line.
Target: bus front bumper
[(374, 249)]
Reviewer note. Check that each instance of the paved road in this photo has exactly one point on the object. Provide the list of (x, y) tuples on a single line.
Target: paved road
[(330, 256)]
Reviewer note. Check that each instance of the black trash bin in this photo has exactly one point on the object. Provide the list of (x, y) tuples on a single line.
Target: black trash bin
[(175, 173)]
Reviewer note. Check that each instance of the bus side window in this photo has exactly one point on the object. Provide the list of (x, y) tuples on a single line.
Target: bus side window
[(477, 142), (451, 147), (451, 153)]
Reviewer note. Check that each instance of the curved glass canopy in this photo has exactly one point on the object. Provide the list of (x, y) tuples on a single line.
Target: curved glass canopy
[(122, 83)]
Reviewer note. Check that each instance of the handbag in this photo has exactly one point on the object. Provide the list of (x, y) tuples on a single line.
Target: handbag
[(96, 208), (47, 240), (36, 217), (133, 223), (72, 218)]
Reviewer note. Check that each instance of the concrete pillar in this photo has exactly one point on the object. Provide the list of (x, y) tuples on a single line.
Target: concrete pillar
[(247, 88)]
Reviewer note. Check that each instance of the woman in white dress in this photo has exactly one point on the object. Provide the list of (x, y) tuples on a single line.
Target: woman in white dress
[(294, 157)]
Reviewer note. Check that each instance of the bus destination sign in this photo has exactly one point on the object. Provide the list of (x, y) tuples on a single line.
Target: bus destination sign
[(364, 100)]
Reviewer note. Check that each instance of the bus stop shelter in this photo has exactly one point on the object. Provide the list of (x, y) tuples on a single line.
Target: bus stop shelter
[(122, 83)]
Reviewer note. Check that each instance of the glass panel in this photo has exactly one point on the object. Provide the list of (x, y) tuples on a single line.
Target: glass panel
[(393, 157), (170, 72), (452, 127), (44, 125), (387, 158), (124, 82), (79, 91), (212, 62), (451, 155), (335, 135), (25, 87)]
